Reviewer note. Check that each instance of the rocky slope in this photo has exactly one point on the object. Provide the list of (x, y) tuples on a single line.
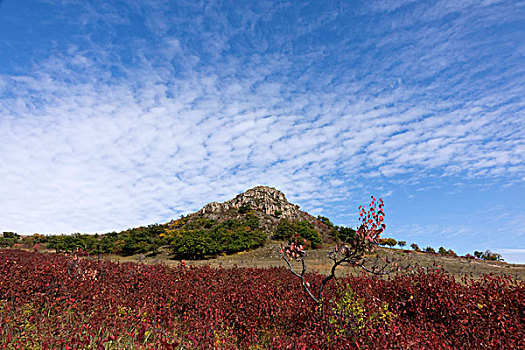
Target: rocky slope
[(269, 204)]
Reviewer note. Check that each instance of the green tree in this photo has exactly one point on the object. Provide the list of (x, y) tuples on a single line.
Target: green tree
[(287, 230), (345, 234), (284, 230), (10, 235), (429, 250), (194, 244), (390, 242), (325, 220), (212, 238), (415, 247), (488, 255), (251, 220), (8, 242)]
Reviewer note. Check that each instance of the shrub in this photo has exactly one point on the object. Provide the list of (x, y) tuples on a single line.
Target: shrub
[(345, 234), (390, 242), (352, 252), (325, 220), (352, 314), (286, 230), (10, 235), (51, 301), (244, 208), (429, 250), (488, 255), (191, 242)]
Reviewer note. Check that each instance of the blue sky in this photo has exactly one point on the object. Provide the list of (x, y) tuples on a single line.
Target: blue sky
[(115, 114)]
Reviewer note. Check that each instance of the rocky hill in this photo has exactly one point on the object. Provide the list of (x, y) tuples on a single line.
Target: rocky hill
[(262, 199), (269, 204)]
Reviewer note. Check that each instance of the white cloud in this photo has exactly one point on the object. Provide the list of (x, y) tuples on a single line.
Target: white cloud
[(87, 151), (513, 255)]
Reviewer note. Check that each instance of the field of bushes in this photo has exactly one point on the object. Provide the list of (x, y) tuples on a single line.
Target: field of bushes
[(50, 301)]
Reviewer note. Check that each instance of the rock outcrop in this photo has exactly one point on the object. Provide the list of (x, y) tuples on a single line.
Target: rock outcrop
[(268, 203), (263, 199)]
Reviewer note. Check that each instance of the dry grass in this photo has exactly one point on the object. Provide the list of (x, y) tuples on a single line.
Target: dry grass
[(268, 256)]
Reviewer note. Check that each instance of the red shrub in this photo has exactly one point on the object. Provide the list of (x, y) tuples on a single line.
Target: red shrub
[(50, 301)]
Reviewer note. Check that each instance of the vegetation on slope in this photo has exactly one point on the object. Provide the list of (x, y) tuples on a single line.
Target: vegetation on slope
[(201, 238)]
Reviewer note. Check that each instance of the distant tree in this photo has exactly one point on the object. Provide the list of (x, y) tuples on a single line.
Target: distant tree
[(429, 250), (208, 238), (287, 230), (401, 243), (284, 230), (251, 220), (390, 242), (345, 234), (325, 220), (415, 247), (478, 254), (442, 251), (10, 235), (35, 238), (488, 255), (9, 241), (194, 244), (451, 253)]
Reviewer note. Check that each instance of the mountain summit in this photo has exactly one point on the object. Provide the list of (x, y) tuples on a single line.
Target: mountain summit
[(267, 203), (263, 199)]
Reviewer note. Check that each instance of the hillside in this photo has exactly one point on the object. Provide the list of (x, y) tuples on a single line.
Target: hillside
[(243, 231), (243, 223), (267, 203), (317, 261)]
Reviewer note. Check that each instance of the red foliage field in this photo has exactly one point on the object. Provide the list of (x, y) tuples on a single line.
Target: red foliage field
[(50, 301)]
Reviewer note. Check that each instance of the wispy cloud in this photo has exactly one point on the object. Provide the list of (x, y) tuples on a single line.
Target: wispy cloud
[(516, 256), (150, 110)]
